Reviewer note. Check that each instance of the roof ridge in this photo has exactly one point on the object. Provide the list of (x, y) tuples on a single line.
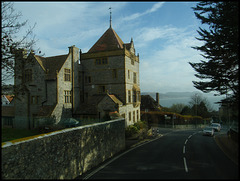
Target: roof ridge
[(118, 38), (49, 63), (107, 42), (115, 99), (57, 56)]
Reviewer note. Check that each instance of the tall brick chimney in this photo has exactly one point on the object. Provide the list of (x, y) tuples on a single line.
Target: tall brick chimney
[(157, 98)]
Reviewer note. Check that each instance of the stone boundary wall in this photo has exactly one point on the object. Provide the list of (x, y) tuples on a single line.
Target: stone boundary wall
[(63, 154)]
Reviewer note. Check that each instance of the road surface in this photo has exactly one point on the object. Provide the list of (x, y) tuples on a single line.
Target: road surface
[(181, 154)]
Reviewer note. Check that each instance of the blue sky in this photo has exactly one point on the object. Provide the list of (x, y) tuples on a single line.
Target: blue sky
[(163, 34)]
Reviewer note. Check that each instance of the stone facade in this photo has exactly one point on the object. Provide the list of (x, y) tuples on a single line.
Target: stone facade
[(41, 87), (73, 85), (62, 154), (115, 71)]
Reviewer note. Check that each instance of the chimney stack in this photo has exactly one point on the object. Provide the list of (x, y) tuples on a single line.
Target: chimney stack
[(157, 98)]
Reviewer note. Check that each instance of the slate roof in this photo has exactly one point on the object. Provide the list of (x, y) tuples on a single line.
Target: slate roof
[(46, 110), (90, 107), (108, 41), (147, 102), (51, 64)]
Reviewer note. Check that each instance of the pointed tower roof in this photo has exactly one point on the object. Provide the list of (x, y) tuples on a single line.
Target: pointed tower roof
[(107, 42)]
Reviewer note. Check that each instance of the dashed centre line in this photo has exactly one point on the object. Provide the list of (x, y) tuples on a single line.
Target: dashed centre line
[(185, 164), (184, 151)]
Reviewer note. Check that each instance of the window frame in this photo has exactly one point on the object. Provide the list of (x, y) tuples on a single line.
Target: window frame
[(114, 73), (133, 116), (67, 96), (134, 77), (35, 100), (67, 75), (101, 89), (134, 96), (129, 96), (101, 61), (28, 75)]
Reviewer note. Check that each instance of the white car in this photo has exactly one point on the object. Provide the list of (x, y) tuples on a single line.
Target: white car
[(216, 126), (208, 131)]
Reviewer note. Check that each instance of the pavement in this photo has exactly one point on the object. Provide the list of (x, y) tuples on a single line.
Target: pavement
[(228, 146)]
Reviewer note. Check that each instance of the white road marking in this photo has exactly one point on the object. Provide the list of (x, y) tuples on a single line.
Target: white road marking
[(189, 136), (186, 141), (185, 164), (183, 149)]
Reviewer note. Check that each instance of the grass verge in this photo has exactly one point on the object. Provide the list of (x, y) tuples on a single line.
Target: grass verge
[(9, 134)]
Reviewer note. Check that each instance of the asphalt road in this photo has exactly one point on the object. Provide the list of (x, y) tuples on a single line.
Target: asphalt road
[(175, 155)]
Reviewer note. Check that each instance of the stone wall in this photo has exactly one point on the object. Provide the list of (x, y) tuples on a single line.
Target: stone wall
[(63, 154)]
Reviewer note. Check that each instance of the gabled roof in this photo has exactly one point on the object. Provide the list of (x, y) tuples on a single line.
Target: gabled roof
[(91, 106), (115, 99), (46, 110), (108, 41), (51, 64), (147, 102)]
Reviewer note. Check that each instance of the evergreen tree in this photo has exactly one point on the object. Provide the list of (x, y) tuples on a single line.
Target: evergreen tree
[(220, 69), (186, 110)]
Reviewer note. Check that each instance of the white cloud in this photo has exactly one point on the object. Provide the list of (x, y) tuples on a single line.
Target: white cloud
[(168, 33), (167, 66), (62, 24), (164, 50), (154, 8)]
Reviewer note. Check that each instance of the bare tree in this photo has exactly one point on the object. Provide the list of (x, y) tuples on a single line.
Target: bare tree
[(10, 39), (196, 99), (177, 108), (200, 105)]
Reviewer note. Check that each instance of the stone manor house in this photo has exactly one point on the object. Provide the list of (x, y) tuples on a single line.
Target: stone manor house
[(78, 85)]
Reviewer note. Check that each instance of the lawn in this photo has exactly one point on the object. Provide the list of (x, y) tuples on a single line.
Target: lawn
[(9, 134)]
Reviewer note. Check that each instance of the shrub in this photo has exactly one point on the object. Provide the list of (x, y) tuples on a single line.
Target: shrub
[(131, 130), (135, 128)]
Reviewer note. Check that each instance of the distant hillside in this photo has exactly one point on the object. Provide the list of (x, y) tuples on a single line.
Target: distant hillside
[(170, 98)]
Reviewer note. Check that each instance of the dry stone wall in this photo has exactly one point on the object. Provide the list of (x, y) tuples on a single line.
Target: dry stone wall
[(63, 154)]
